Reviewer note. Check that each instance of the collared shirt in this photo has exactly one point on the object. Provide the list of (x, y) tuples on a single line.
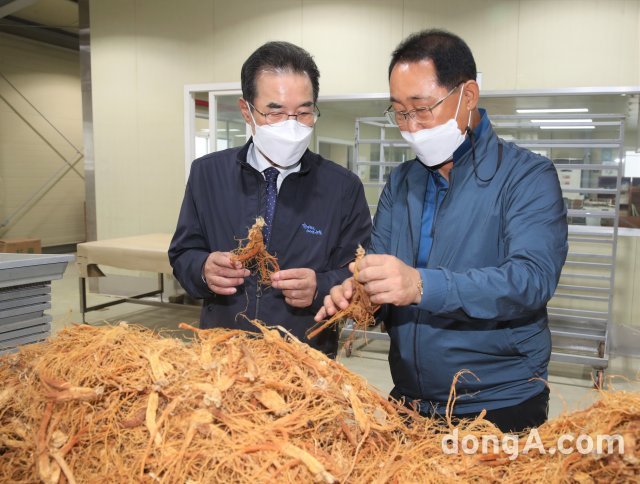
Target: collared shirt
[(437, 187), (258, 161)]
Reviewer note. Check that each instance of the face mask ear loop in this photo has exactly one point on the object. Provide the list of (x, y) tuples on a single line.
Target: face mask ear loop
[(255, 125), (459, 102), (469, 132)]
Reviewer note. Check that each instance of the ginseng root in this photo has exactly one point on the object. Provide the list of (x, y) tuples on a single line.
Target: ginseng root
[(360, 309), (254, 256)]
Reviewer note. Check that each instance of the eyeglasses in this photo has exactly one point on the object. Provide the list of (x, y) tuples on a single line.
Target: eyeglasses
[(304, 118), (423, 114)]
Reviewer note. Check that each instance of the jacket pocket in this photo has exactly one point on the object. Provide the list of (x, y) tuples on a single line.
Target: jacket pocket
[(533, 343)]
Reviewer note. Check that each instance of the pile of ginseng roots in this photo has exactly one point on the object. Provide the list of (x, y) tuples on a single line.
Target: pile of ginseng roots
[(123, 404)]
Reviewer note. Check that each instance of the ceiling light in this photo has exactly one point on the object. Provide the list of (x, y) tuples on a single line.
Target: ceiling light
[(563, 110), (585, 120), (567, 127)]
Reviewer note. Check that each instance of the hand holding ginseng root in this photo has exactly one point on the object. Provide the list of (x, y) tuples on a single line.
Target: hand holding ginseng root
[(253, 254), (388, 280), (352, 302), (222, 274), (298, 285), (383, 279)]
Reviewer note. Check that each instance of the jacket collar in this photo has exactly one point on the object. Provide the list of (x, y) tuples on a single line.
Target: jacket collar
[(485, 144), (477, 133)]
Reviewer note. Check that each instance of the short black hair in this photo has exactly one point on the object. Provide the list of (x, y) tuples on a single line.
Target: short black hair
[(277, 57), (450, 55)]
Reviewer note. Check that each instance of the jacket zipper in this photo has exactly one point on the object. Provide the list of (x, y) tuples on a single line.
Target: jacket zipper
[(437, 211), (433, 226), (415, 327)]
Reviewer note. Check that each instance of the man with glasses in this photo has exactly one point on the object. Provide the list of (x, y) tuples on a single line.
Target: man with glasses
[(315, 211), (467, 247)]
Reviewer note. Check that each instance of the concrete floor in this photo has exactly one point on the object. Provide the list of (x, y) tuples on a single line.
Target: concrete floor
[(571, 385)]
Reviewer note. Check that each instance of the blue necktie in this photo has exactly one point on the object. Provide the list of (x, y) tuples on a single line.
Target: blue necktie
[(271, 177)]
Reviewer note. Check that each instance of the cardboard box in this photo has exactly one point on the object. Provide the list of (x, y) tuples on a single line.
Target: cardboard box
[(21, 246), (630, 222)]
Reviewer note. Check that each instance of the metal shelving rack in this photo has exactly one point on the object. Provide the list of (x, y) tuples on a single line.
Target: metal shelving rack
[(391, 152), (581, 311)]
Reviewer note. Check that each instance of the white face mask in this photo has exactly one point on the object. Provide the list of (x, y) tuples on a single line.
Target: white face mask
[(434, 146), (283, 143)]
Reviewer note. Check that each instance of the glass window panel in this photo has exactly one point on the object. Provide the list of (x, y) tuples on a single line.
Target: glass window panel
[(231, 128)]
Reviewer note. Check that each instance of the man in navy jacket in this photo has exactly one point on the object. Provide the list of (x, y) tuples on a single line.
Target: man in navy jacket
[(317, 219), (467, 247)]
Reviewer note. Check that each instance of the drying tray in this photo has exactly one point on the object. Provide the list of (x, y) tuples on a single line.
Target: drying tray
[(21, 269)]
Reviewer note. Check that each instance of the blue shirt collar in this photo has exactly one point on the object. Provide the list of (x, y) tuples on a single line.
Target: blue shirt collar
[(466, 145)]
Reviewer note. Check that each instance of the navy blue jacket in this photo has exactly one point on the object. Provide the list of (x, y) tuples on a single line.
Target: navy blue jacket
[(320, 218), (498, 249)]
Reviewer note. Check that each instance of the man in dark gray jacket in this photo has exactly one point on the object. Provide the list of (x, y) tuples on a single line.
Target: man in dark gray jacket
[(315, 210), (467, 247)]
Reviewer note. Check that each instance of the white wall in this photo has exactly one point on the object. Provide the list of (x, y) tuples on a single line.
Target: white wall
[(49, 78), (145, 51)]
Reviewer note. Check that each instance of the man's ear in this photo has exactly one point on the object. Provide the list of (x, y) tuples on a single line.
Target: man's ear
[(244, 110), (471, 95)]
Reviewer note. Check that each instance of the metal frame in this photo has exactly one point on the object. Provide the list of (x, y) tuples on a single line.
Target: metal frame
[(583, 335), (335, 141), (137, 299), (91, 228), (383, 124), (214, 90), (70, 164)]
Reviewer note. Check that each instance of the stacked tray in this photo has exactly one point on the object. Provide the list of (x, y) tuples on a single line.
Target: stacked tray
[(25, 295)]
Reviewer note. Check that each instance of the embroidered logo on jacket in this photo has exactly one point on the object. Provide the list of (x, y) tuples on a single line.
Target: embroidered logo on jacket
[(310, 229)]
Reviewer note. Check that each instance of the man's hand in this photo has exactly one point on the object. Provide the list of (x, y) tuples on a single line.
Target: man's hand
[(338, 298), (298, 286), (388, 280), (222, 275)]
